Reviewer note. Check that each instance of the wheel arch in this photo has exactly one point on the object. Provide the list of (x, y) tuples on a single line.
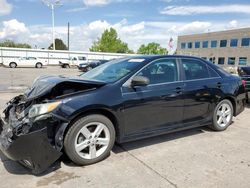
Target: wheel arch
[(233, 101), (39, 63), (101, 111), (12, 62)]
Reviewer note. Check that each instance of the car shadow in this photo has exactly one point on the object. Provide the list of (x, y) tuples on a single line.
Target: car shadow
[(15, 168), (247, 105), (158, 139)]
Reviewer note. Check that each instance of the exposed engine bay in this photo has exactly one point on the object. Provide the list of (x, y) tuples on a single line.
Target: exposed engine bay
[(29, 118)]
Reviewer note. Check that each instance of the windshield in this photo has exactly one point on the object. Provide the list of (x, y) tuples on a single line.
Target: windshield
[(245, 71), (113, 70)]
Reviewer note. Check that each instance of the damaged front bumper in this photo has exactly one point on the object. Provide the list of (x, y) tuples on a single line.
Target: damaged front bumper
[(37, 147)]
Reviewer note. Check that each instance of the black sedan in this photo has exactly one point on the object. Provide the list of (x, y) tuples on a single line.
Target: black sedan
[(244, 73), (85, 67), (122, 100)]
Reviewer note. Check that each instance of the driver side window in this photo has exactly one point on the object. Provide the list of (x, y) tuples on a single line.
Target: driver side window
[(161, 71)]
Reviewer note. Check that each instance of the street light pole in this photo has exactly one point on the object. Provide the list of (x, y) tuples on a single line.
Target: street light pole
[(53, 26), (51, 4)]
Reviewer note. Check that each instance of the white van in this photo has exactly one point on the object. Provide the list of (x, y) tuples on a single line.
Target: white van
[(26, 62)]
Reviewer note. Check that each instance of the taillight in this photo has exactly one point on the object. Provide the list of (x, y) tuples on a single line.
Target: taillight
[(243, 83)]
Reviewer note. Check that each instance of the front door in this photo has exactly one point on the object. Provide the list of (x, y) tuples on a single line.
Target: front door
[(157, 105)]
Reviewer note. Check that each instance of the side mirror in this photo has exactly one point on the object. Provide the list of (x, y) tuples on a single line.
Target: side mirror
[(139, 81)]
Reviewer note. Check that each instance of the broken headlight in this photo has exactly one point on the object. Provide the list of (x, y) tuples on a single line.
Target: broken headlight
[(40, 109)]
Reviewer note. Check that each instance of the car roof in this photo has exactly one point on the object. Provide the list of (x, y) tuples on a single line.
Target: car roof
[(154, 57)]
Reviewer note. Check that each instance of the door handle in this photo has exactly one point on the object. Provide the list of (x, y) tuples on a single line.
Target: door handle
[(219, 85), (178, 90)]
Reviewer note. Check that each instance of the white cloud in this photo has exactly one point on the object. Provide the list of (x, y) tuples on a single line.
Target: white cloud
[(218, 9), (234, 23), (82, 36), (5, 7), (90, 3), (13, 29), (95, 2)]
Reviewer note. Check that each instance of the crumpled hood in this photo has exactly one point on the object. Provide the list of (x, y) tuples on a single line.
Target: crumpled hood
[(43, 85)]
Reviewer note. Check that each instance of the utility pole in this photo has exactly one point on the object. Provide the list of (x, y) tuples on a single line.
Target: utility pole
[(68, 34), (51, 4)]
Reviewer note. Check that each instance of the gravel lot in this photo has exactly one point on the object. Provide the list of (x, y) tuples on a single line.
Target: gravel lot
[(193, 158)]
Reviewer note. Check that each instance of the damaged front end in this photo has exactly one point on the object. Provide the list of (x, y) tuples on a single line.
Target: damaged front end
[(31, 132)]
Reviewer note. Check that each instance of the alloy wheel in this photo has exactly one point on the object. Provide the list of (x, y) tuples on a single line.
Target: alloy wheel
[(224, 115), (92, 140)]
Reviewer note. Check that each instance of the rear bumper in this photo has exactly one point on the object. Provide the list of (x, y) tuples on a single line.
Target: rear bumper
[(32, 149), (240, 104), (84, 69)]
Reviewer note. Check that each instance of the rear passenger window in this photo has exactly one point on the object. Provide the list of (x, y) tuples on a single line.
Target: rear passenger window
[(194, 69), (213, 73)]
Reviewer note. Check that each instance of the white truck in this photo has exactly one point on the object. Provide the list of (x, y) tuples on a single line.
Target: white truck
[(73, 62), (25, 62)]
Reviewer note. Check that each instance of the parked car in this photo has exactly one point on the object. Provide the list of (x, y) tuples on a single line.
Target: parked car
[(26, 62), (122, 100), (244, 73), (73, 62), (85, 67)]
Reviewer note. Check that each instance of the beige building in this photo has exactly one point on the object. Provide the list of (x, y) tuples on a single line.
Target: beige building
[(226, 48)]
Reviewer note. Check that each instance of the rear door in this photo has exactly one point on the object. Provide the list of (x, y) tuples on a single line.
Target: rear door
[(202, 84)]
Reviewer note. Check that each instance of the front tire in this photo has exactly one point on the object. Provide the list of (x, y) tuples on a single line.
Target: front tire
[(13, 65), (39, 65), (223, 115), (90, 139)]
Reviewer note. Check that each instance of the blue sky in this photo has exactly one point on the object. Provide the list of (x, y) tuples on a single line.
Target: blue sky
[(137, 21)]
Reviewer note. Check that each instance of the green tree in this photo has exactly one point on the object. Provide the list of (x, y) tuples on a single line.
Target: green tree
[(152, 48), (110, 42), (12, 44), (59, 45)]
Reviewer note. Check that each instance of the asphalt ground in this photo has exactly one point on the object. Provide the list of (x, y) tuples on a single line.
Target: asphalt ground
[(193, 158)]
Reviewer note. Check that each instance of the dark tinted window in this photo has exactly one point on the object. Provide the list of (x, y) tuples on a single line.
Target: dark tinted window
[(213, 43), (197, 44), (183, 45), (245, 70), (194, 69), (221, 60), (234, 42), (205, 44), (245, 42), (212, 59), (231, 61), (161, 71), (190, 45), (212, 73), (223, 43)]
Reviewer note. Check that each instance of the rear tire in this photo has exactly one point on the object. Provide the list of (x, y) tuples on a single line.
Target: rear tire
[(90, 139), (13, 65), (89, 69), (223, 115)]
